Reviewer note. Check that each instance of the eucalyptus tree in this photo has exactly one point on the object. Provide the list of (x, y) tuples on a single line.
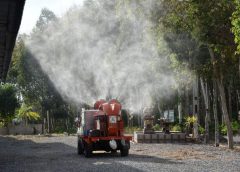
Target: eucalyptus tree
[(208, 22)]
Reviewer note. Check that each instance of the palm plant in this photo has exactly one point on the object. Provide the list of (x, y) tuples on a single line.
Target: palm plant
[(190, 121), (26, 113)]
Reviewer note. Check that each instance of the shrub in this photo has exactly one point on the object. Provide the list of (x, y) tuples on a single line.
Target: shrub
[(223, 129), (8, 102), (190, 120), (130, 130), (235, 128), (157, 127), (72, 130), (1, 124), (176, 127), (201, 130), (59, 129)]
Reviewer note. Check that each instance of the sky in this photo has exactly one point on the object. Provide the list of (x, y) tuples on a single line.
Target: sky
[(33, 9)]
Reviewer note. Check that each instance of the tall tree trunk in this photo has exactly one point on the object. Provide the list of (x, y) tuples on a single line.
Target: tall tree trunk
[(51, 119), (225, 114), (159, 110), (48, 121), (180, 112), (230, 102), (53, 123), (215, 113), (66, 123), (26, 121), (186, 109), (44, 125), (239, 65), (219, 80), (196, 106), (238, 97), (180, 106), (206, 103), (238, 102)]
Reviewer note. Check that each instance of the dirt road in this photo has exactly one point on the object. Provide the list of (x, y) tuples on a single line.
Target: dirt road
[(58, 153)]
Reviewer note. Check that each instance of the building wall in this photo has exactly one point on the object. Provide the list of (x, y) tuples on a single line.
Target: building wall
[(22, 129)]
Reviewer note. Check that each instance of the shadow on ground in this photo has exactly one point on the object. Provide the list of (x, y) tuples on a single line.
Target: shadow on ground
[(45, 155)]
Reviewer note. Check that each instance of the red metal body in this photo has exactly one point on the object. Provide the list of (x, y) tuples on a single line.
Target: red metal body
[(99, 103)]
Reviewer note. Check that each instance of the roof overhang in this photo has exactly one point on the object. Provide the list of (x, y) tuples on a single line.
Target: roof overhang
[(10, 19)]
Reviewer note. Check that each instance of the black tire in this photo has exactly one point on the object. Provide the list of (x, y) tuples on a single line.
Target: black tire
[(80, 147), (87, 150), (113, 151), (128, 144), (124, 151)]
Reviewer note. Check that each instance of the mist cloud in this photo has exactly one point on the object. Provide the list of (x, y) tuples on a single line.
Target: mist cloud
[(105, 50)]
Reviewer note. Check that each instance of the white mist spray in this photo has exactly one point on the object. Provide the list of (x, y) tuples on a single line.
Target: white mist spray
[(104, 49)]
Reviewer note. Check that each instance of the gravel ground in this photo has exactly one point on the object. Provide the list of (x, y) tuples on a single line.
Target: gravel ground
[(58, 153)]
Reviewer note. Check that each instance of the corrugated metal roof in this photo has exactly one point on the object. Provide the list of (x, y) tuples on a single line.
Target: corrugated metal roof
[(10, 19)]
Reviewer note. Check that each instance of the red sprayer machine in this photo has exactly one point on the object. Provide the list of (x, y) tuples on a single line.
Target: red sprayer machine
[(102, 129)]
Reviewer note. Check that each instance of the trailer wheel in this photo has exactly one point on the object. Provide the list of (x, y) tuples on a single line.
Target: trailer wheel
[(113, 151), (125, 149), (80, 147), (87, 150)]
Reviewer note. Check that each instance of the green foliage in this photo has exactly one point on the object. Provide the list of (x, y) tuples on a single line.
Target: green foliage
[(59, 129), (190, 120), (1, 124), (72, 130), (16, 73), (223, 129), (26, 112), (235, 128), (8, 102), (130, 130), (235, 20), (183, 74), (157, 127), (176, 127), (205, 24), (201, 130), (206, 21)]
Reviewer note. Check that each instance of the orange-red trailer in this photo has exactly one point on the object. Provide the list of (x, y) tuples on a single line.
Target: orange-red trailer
[(102, 129)]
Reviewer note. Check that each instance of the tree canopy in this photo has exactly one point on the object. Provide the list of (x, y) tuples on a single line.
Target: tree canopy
[(8, 102)]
